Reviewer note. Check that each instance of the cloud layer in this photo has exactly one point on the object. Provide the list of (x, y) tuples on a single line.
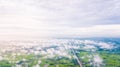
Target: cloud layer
[(61, 18)]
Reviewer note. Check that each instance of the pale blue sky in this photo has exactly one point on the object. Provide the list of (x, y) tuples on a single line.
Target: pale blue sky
[(59, 18)]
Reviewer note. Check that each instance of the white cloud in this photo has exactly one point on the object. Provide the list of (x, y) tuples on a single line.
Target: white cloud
[(61, 18), (94, 31)]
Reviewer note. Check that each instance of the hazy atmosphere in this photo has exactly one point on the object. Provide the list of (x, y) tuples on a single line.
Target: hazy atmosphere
[(59, 18), (59, 33)]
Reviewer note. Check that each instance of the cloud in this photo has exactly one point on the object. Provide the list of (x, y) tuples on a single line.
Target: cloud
[(94, 31), (69, 18)]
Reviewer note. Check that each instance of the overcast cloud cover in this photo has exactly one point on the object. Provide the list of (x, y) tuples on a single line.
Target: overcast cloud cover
[(59, 18)]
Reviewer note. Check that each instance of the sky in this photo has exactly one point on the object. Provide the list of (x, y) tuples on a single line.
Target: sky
[(59, 18)]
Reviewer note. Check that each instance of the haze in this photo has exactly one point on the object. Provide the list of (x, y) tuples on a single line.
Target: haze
[(32, 19)]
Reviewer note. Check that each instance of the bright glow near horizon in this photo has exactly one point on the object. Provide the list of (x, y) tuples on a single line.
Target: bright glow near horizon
[(59, 18)]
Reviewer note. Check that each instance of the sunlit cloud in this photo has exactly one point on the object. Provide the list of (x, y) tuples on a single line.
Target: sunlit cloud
[(63, 18)]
